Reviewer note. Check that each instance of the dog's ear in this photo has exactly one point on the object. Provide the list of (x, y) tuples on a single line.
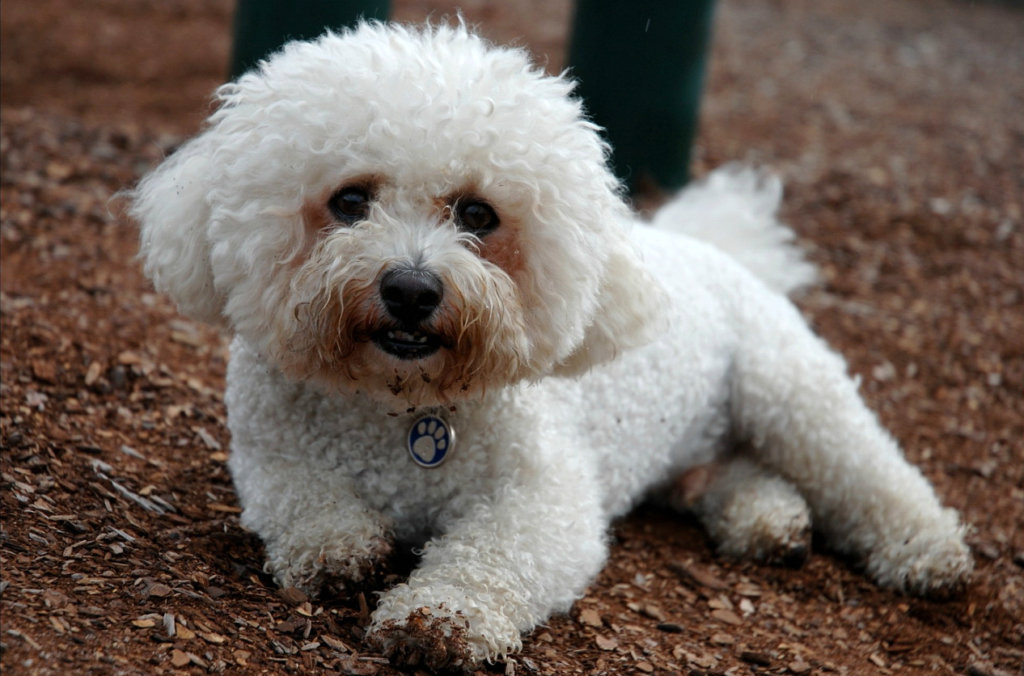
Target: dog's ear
[(172, 208), (629, 311)]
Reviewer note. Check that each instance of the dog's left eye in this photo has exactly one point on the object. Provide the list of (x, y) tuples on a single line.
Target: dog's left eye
[(476, 217), (350, 204)]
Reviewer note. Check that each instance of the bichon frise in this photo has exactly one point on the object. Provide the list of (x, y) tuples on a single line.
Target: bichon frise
[(449, 331)]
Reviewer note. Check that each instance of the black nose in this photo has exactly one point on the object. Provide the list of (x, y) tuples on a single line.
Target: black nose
[(410, 295)]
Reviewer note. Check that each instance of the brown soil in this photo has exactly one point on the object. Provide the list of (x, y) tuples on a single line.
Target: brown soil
[(898, 129)]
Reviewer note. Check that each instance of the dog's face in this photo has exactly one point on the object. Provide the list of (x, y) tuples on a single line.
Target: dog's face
[(414, 215)]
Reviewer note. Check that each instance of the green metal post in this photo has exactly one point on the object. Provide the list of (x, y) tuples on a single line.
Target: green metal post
[(262, 26), (641, 68)]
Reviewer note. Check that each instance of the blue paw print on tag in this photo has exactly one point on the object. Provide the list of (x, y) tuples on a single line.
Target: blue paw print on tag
[(430, 441)]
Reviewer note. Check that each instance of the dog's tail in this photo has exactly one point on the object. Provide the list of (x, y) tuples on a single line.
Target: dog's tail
[(734, 209)]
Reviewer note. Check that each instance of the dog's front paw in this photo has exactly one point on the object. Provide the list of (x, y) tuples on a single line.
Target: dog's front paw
[(424, 639), (443, 626), (340, 563), (935, 563)]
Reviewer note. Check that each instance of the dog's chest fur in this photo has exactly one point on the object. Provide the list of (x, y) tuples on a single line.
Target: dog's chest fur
[(360, 444)]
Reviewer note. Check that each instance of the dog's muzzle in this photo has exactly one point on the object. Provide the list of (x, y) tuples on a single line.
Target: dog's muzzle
[(410, 296)]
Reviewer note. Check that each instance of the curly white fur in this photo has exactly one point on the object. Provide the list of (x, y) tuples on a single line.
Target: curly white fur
[(677, 351)]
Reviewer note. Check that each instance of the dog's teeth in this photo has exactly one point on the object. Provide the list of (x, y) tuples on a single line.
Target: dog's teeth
[(405, 336)]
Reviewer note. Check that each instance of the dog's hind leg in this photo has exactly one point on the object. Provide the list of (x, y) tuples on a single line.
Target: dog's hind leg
[(793, 401), (749, 511)]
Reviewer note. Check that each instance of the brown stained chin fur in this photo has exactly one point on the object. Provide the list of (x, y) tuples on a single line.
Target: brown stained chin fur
[(333, 344), (325, 335)]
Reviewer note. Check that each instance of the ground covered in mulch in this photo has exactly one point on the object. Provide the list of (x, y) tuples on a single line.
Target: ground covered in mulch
[(899, 132)]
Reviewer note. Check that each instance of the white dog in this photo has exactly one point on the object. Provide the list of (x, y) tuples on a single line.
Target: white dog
[(448, 332)]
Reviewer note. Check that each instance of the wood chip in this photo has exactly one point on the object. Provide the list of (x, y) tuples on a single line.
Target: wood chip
[(207, 439), (188, 339), (129, 358), (54, 599), (748, 589), (605, 643), (58, 170), (722, 602), (169, 625), (701, 661), (293, 623), (722, 638), (293, 595), (727, 616), (92, 374), (694, 574), (213, 637), (354, 666), (799, 666), (158, 589), (227, 509), (44, 371), (179, 658), (591, 618), (196, 660), (335, 643), (25, 637), (364, 609)]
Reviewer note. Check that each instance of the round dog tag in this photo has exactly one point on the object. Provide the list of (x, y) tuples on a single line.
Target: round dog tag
[(430, 441)]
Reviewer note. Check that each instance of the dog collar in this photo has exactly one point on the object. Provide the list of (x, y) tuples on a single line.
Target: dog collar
[(430, 441)]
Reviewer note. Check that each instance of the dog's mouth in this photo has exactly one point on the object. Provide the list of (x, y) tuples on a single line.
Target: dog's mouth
[(407, 344)]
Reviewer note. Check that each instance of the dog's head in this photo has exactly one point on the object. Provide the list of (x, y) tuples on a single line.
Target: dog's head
[(410, 213)]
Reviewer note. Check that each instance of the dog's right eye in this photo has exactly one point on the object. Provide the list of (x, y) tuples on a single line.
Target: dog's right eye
[(350, 204), (476, 217)]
